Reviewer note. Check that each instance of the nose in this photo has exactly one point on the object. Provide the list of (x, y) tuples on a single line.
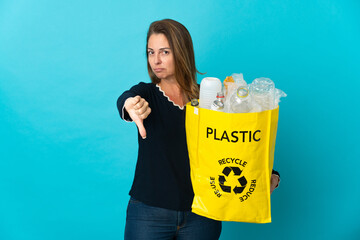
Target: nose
[(157, 58)]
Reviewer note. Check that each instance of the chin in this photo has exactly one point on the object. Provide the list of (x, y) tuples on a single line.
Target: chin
[(160, 76)]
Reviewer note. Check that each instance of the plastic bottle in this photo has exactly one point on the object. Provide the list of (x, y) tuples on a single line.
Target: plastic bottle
[(240, 101), (218, 104), (194, 102), (263, 92), (239, 79), (209, 87)]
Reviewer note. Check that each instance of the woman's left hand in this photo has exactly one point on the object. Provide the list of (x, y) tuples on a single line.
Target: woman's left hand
[(274, 182)]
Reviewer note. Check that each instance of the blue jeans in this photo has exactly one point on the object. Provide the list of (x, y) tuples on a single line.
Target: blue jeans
[(147, 222)]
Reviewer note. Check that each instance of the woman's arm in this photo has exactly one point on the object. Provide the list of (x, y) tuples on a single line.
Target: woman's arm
[(132, 106), (275, 180)]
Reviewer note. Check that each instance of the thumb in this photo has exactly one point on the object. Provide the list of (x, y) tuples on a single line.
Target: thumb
[(140, 124)]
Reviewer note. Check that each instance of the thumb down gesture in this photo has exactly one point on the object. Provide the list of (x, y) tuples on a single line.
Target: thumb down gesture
[(138, 109)]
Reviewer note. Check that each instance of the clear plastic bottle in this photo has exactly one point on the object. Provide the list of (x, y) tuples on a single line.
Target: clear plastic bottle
[(239, 79), (194, 102), (240, 101), (218, 104), (263, 92)]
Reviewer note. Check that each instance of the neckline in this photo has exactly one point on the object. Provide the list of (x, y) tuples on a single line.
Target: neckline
[(176, 105)]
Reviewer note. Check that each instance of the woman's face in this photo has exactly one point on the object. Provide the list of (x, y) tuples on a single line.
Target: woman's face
[(160, 57)]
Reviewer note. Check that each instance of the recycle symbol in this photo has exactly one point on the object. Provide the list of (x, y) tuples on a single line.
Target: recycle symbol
[(237, 172)]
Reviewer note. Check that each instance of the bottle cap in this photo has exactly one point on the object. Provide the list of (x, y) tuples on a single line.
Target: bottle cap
[(220, 95), (217, 105), (242, 92), (194, 102)]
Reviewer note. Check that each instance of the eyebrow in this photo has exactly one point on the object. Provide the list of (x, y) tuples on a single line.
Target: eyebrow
[(160, 48)]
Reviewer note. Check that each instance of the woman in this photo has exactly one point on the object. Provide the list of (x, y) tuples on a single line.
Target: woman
[(161, 194)]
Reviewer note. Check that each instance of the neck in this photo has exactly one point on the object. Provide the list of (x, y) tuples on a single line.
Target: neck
[(170, 85), (173, 91)]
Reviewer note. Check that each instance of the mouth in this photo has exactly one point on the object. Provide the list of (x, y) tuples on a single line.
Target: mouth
[(157, 70)]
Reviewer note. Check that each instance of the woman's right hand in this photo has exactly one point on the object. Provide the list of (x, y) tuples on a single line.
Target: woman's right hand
[(138, 109)]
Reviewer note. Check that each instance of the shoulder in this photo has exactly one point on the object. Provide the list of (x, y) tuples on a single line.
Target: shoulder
[(143, 86)]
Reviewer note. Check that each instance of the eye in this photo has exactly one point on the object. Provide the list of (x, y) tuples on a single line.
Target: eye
[(150, 53), (166, 52)]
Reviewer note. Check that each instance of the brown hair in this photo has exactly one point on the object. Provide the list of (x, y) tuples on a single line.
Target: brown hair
[(181, 44)]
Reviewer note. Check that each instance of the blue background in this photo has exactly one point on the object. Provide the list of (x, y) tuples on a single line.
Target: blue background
[(67, 160)]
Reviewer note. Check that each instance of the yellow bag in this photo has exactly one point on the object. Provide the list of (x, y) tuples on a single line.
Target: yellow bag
[(231, 160)]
